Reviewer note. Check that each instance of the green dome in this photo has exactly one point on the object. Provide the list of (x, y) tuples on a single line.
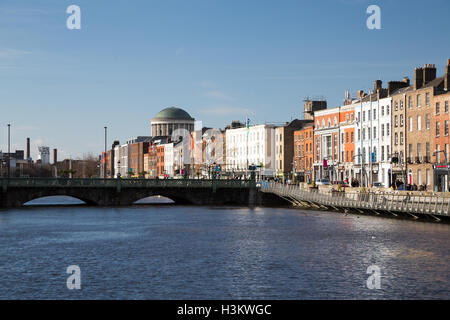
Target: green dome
[(173, 113)]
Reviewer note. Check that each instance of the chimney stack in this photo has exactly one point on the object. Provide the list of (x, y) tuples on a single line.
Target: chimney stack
[(418, 78), (447, 76), (55, 156), (360, 93), (377, 85), (28, 149), (406, 80), (429, 73)]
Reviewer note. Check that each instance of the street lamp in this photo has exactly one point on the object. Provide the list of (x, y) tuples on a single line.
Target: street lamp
[(9, 150), (104, 162)]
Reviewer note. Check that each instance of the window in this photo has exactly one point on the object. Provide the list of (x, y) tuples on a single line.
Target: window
[(364, 116), (410, 151), (387, 130), (401, 120), (446, 127), (438, 131), (342, 138), (396, 106), (396, 138), (323, 123), (396, 121), (359, 154), (347, 157), (329, 123), (410, 125), (352, 136), (446, 107), (419, 123), (438, 107), (419, 150), (342, 156), (401, 104), (374, 114), (387, 109), (401, 138), (382, 153), (419, 177), (368, 133), (335, 121), (374, 132), (427, 121), (364, 133), (418, 101), (427, 151), (428, 177), (382, 110), (359, 116), (368, 115), (410, 102), (317, 124), (346, 117), (359, 134), (382, 130), (427, 99), (346, 137)]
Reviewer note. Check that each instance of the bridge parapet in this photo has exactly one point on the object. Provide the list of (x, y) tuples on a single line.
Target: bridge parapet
[(126, 183)]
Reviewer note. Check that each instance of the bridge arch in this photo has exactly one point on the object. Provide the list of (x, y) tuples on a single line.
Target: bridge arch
[(26, 197), (55, 200)]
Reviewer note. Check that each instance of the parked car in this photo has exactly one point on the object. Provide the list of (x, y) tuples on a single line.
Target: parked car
[(323, 182), (378, 185)]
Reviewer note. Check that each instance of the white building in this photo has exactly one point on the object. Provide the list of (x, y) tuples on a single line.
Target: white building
[(44, 154), (373, 139), (385, 141), (169, 159), (257, 147), (121, 161)]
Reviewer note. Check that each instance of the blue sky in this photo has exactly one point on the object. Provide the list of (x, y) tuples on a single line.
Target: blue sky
[(219, 60)]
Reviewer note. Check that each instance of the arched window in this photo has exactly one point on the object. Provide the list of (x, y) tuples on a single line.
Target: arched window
[(335, 121), (329, 122), (323, 123), (318, 125)]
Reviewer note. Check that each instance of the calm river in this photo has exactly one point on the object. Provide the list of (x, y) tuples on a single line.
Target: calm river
[(188, 252)]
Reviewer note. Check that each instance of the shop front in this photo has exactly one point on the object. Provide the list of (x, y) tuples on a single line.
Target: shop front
[(441, 177)]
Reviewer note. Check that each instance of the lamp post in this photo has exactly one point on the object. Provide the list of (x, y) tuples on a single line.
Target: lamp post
[(9, 151), (104, 162)]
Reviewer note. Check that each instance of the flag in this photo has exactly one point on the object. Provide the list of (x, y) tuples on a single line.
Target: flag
[(248, 126)]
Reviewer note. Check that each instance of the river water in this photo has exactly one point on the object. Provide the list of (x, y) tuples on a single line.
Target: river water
[(189, 252)]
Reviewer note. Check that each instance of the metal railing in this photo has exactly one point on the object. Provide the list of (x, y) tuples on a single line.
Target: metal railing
[(383, 201), (125, 183)]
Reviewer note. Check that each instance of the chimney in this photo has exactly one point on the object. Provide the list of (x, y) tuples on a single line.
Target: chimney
[(55, 156), (28, 149), (418, 78), (395, 85), (377, 85), (429, 73), (447, 76), (360, 93)]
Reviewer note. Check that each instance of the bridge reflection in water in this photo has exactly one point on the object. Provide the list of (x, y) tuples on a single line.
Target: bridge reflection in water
[(122, 192)]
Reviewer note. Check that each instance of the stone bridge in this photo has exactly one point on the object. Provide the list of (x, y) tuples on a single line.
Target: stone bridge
[(15, 192)]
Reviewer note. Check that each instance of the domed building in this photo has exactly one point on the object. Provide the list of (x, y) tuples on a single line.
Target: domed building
[(170, 119)]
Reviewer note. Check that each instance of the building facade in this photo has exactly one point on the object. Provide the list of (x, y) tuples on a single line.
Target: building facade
[(252, 146)]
